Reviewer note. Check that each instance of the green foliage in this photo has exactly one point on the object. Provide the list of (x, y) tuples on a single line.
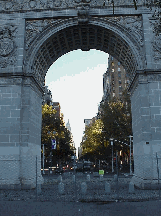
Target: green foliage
[(117, 118), (53, 128), (94, 144), (115, 122)]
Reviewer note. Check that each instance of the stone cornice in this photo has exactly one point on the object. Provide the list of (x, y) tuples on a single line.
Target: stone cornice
[(72, 12), (144, 76), (19, 79), (35, 5)]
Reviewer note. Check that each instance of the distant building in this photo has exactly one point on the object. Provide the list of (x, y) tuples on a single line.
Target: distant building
[(56, 106), (87, 122), (106, 86), (47, 98), (68, 126), (69, 129), (116, 79), (79, 152)]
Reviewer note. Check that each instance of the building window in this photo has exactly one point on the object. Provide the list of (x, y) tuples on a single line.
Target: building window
[(119, 63)]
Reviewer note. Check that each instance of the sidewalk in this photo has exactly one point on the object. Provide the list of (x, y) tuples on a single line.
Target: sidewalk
[(22, 208), (72, 191)]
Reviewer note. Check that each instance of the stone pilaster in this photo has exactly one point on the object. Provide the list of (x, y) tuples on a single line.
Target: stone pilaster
[(146, 116), (20, 134)]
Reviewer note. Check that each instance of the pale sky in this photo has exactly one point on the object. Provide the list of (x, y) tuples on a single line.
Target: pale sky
[(76, 82)]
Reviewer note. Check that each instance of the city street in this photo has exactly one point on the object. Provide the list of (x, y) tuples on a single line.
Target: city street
[(22, 208)]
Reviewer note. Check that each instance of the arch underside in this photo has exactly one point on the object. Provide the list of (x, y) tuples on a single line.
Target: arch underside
[(84, 37)]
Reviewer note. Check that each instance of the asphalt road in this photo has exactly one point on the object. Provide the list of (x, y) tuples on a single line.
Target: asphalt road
[(22, 208)]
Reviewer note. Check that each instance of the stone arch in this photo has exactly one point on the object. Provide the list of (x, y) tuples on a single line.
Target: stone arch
[(63, 36), (33, 36)]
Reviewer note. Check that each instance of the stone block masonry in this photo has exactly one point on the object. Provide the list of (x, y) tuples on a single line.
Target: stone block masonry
[(20, 135), (146, 112)]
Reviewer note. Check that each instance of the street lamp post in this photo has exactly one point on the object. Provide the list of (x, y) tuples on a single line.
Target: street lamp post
[(130, 154), (51, 160), (112, 153), (74, 172), (43, 160), (74, 159)]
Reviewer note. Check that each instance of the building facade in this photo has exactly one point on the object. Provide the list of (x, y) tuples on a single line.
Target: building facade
[(47, 99), (115, 80)]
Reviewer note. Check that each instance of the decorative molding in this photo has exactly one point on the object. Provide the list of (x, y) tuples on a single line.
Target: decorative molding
[(154, 77), (83, 14), (157, 48), (18, 5), (144, 77), (132, 25), (8, 51), (34, 27)]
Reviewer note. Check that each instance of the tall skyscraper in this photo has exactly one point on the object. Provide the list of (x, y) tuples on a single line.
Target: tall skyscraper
[(68, 126), (72, 144)]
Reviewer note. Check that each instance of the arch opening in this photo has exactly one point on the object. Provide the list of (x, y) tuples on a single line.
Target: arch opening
[(84, 37)]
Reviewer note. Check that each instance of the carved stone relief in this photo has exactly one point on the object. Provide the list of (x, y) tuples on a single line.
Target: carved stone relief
[(33, 28), (132, 27), (131, 24), (156, 41), (83, 13), (7, 45), (157, 48), (14, 5)]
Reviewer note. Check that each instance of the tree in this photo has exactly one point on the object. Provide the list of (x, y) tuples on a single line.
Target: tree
[(93, 141), (53, 128), (117, 119)]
